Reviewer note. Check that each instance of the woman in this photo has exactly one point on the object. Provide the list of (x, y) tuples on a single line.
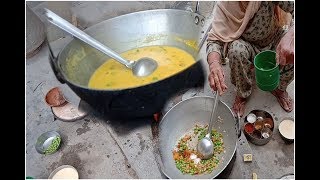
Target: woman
[(240, 30)]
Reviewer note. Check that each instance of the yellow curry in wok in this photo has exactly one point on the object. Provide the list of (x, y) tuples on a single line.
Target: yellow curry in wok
[(113, 75)]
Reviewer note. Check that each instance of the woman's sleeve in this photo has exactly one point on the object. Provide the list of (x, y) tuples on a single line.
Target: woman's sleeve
[(214, 46), (287, 6)]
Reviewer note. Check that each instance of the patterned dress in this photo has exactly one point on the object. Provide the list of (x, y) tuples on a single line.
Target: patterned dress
[(262, 33)]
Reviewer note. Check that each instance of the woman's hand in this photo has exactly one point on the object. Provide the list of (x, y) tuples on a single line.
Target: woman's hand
[(216, 76), (285, 48)]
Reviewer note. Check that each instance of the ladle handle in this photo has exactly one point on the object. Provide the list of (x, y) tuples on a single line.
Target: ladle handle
[(68, 27), (213, 112), (238, 125)]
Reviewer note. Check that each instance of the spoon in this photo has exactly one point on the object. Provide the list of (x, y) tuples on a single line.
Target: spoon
[(238, 125), (142, 67), (205, 146)]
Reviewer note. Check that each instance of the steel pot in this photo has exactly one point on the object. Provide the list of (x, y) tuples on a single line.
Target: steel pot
[(75, 64), (35, 33)]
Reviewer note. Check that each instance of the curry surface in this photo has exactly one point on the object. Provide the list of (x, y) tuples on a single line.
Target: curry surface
[(113, 75)]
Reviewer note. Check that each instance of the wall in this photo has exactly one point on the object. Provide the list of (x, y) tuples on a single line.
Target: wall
[(87, 13)]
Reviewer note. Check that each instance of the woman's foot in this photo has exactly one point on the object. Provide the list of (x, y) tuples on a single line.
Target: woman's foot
[(239, 105), (284, 99)]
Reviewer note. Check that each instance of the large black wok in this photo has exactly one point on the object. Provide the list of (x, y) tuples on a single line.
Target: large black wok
[(75, 64)]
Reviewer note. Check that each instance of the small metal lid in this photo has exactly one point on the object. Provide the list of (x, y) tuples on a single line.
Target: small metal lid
[(70, 112)]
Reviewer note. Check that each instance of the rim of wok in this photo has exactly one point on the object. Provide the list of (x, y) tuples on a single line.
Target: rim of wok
[(233, 152), (65, 78)]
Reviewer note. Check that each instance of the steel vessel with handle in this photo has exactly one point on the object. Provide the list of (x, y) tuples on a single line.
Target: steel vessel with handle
[(182, 118), (169, 27)]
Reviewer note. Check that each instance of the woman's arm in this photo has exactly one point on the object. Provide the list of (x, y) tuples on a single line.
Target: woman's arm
[(214, 46), (216, 74), (285, 48)]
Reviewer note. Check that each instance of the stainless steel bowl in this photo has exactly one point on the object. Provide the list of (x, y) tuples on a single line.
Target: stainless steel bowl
[(62, 167), (256, 138), (180, 119), (288, 176), (286, 140), (45, 140)]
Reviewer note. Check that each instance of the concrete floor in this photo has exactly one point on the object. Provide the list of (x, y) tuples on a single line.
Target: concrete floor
[(99, 148)]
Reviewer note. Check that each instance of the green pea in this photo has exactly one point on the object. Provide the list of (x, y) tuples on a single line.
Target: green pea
[(53, 146)]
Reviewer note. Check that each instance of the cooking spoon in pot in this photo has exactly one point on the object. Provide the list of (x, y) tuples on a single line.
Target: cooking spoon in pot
[(142, 67), (205, 145)]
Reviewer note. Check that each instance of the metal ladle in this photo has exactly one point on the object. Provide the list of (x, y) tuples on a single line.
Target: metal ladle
[(205, 146), (142, 67)]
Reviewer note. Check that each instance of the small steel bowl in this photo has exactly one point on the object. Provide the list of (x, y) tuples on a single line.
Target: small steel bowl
[(257, 134), (55, 97), (248, 126), (45, 140), (268, 123), (259, 118), (258, 125), (251, 118), (286, 139), (60, 168), (288, 176), (266, 133)]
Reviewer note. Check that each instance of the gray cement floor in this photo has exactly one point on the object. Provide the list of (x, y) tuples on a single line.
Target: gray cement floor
[(101, 149)]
